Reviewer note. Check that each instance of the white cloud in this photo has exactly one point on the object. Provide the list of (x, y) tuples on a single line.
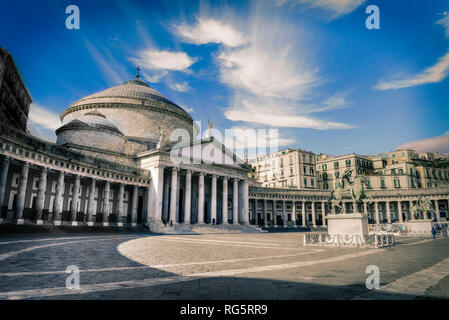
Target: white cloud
[(271, 77), (269, 72), (211, 31), (445, 23), (274, 113), (181, 87), (44, 117), (43, 122), (153, 59), (191, 110), (436, 144), (434, 74), (446, 133), (336, 7)]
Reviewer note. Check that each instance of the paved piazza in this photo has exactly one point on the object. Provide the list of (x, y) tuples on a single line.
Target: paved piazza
[(216, 266)]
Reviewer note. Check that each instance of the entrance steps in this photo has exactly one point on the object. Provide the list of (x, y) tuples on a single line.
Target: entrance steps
[(210, 229)]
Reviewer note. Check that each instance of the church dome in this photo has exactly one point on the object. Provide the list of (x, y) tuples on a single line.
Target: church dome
[(136, 110), (92, 130)]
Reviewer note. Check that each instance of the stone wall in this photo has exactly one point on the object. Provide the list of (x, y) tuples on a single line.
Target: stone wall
[(92, 138)]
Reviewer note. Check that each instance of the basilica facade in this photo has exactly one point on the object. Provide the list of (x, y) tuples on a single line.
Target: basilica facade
[(114, 164)]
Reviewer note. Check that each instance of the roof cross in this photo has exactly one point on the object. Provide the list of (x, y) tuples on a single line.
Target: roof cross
[(138, 69)]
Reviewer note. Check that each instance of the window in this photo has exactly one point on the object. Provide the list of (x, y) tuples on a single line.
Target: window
[(348, 163), (382, 183), (305, 182), (337, 174), (312, 182)]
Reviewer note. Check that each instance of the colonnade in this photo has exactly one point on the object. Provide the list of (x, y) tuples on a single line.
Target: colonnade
[(191, 196), (294, 213), (60, 193)]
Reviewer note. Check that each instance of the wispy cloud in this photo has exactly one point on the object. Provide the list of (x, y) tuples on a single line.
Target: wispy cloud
[(272, 77), (180, 87), (436, 144), (211, 31), (276, 114), (445, 22), (43, 122), (154, 59), (265, 71), (335, 7), (111, 69), (433, 74)]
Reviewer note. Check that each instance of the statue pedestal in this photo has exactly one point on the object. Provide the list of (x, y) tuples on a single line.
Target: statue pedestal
[(347, 224), (419, 227)]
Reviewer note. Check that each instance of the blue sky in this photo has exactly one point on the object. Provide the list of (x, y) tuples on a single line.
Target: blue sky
[(308, 68)]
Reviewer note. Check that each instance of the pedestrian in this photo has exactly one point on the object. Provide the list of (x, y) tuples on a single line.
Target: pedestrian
[(434, 232)]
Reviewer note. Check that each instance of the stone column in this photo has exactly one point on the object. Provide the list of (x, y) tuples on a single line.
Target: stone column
[(284, 214), (387, 204), (410, 206), (3, 178), (294, 213), (121, 195), (376, 210), (365, 208), (274, 217), (201, 198), (245, 202), (134, 206), (91, 204), (166, 214), (447, 210), (173, 195), (74, 204), (213, 200), (256, 215), (157, 194), (303, 210), (355, 208), (188, 198), (42, 188), (147, 203), (401, 219), (265, 216), (323, 212), (313, 214), (107, 189), (437, 210), (57, 206), (225, 201), (21, 192), (235, 202)]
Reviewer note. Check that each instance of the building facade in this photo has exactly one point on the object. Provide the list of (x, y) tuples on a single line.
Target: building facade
[(287, 168), (105, 170)]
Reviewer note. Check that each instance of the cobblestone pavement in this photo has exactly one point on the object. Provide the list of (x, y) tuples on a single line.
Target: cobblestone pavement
[(217, 266)]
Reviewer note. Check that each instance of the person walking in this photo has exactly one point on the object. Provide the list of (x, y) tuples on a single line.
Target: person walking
[(434, 232)]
